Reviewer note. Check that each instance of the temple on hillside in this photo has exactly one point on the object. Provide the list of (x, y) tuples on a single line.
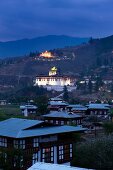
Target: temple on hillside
[(46, 54), (55, 81)]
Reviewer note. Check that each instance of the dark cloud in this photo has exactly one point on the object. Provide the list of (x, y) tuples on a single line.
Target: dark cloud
[(31, 18)]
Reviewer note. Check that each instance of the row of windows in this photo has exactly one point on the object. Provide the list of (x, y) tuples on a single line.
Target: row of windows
[(61, 122), (51, 79), (98, 112), (20, 144), (64, 154), (48, 155)]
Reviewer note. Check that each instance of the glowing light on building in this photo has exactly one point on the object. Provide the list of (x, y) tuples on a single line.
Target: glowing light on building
[(46, 54)]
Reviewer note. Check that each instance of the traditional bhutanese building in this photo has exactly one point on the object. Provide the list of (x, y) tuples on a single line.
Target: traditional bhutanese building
[(46, 54), (54, 81), (24, 142)]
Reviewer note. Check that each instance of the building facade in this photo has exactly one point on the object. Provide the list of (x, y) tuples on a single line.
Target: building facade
[(100, 110), (28, 109), (63, 118), (24, 142), (54, 80)]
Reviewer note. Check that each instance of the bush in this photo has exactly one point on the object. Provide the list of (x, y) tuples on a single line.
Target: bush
[(96, 154)]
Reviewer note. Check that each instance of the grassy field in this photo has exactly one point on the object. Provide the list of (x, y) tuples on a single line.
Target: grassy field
[(9, 111)]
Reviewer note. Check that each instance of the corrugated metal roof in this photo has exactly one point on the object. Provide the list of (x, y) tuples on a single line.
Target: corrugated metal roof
[(56, 99), (76, 106), (98, 106), (62, 114), (50, 130), (46, 166), (57, 103), (28, 106), (17, 128), (12, 127)]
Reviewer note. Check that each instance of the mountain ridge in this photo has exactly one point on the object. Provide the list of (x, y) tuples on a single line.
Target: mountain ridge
[(25, 46)]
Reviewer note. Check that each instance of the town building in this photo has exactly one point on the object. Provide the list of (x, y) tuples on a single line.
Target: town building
[(46, 54), (57, 104), (3, 102), (24, 142), (55, 81), (63, 118), (99, 109), (77, 108), (28, 109), (46, 166)]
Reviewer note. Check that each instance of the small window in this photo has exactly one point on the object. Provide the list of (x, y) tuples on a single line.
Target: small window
[(3, 142), (65, 153), (48, 155), (57, 122), (35, 142), (19, 144), (35, 158)]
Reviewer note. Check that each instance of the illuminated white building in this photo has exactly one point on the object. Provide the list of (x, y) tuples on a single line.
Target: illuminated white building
[(55, 81)]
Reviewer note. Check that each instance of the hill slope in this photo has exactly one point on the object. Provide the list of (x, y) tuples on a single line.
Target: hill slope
[(81, 58), (25, 46)]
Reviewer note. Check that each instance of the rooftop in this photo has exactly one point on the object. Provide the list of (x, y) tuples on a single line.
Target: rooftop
[(98, 106), (56, 99), (46, 166), (28, 106), (18, 128), (76, 106), (57, 103), (62, 114)]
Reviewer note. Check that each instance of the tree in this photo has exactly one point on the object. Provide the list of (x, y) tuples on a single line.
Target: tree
[(42, 103), (95, 154), (108, 128), (98, 61), (90, 86), (112, 88), (90, 40), (65, 94), (98, 83)]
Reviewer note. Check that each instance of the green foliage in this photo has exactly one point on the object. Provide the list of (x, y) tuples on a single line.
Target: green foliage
[(98, 61), (108, 127), (7, 155), (99, 83), (42, 103), (90, 86), (65, 94), (96, 154), (27, 93), (9, 111)]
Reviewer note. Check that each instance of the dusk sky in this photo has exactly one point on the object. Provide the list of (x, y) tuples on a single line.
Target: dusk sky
[(32, 18)]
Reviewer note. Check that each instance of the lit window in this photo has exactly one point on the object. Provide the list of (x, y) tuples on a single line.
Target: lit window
[(51, 121), (65, 152), (62, 122), (3, 142), (35, 142), (35, 158), (48, 155), (57, 122)]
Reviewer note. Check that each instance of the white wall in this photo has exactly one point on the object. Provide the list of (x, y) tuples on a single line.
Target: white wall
[(53, 81)]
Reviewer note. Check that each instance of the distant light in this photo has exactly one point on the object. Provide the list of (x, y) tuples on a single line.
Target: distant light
[(46, 54)]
